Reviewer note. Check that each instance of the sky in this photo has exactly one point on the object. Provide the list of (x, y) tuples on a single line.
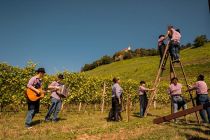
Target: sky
[(66, 34)]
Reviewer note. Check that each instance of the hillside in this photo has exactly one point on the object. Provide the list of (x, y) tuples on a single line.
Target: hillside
[(195, 61)]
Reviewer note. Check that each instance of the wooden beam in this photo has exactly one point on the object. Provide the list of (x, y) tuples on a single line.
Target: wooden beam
[(180, 113)]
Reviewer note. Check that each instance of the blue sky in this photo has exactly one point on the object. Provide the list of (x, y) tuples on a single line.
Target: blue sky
[(66, 34)]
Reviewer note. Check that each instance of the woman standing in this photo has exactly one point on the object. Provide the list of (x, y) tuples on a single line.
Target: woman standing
[(116, 100)]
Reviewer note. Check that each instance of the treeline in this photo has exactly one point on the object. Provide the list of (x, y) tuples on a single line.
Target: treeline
[(121, 55), (139, 52)]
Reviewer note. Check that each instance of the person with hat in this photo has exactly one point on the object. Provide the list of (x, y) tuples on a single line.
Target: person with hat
[(202, 97), (35, 83), (55, 99)]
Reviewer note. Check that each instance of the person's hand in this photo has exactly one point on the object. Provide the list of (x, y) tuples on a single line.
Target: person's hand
[(189, 86), (57, 88), (38, 91)]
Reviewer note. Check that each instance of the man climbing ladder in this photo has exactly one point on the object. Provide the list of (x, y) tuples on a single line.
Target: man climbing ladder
[(174, 44), (172, 48)]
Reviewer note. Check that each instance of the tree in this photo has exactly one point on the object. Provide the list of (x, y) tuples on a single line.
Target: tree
[(106, 60), (138, 52), (200, 41)]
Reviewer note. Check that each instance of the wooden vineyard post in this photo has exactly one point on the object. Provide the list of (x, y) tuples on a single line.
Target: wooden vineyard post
[(103, 98), (128, 108), (80, 106)]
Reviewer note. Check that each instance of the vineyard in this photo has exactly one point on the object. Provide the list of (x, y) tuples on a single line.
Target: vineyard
[(94, 87), (83, 88)]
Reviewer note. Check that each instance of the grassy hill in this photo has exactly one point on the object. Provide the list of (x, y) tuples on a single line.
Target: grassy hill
[(195, 61)]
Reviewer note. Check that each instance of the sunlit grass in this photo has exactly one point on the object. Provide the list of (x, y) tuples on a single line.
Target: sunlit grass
[(91, 124)]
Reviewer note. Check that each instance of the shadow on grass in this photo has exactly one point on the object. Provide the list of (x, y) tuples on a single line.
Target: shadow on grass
[(194, 126), (137, 115), (36, 122), (190, 137)]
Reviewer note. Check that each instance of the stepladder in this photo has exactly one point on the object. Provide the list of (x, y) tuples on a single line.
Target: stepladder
[(157, 81)]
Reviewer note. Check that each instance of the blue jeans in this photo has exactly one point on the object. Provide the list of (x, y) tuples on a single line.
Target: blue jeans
[(174, 50), (200, 100), (178, 102), (54, 109), (143, 104), (33, 108)]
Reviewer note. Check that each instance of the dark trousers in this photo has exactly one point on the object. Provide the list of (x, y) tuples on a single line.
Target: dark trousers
[(33, 108), (161, 50), (200, 100), (143, 104), (116, 109)]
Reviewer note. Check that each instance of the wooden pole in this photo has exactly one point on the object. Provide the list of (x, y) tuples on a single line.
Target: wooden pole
[(103, 94), (157, 80), (80, 106), (181, 113), (196, 114), (128, 108), (172, 74)]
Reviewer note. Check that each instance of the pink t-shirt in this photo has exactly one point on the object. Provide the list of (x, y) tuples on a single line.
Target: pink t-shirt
[(54, 94), (201, 87), (142, 90), (176, 36), (34, 82), (175, 89)]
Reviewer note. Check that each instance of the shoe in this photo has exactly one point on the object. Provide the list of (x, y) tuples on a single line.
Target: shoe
[(55, 120), (177, 60), (47, 120), (28, 127)]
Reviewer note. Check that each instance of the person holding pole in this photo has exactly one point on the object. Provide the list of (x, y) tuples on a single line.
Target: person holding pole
[(143, 97), (175, 90), (202, 97)]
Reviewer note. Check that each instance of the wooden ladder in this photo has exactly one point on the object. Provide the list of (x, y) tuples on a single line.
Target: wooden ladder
[(172, 74)]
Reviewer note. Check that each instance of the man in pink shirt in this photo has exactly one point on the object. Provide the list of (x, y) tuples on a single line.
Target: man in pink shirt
[(33, 106), (174, 44), (175, 90), (55, 98), (202, 97)]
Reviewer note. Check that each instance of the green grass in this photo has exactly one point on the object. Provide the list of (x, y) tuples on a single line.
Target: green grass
[(145, 68), (93, 125)]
